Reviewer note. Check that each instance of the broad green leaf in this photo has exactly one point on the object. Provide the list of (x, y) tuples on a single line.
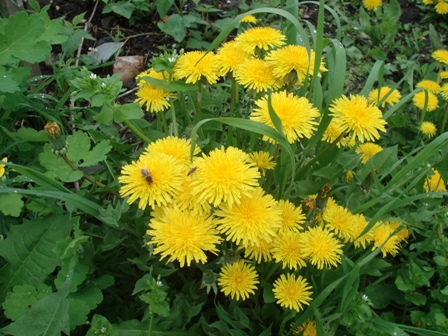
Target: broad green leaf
[(11, 204), (8, 81), (47, 317), (100, 325), (78, 146), (57, 167), (123, 8), (127, 112), (78, 311), (18, 301), (20, 39), (54, 29), (97, 154), (163, 6), (28, 251)]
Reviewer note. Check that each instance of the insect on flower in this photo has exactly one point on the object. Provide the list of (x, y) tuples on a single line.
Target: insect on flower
[(191, 171), (147, 175)]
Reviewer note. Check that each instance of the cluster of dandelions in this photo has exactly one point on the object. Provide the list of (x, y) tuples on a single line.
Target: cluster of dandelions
[(441, 6), (214, 204)]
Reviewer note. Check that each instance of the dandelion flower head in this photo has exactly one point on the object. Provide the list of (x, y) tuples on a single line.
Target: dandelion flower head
[(261, 38), (249, 18), (286, 249), (291, 292), (444, 91), (372, 4), (403, 234), (257, 75), (333, 132), (238, 280), (420, 100), (440, 55), (263, 160), (368, 150), (255, 217), (292, 216), (428, 128), (382, 234), (224, 176), (230, 56), (297, 114), (155, 98), (183, 235), (194, 65), (349, 176), (378, 95), (360, 223), (259, 253), (151, 180), (340, 220), (2, 166), (306, 329), (173, 146), (441, 7), (443, 74), (434, 182), (356, 115), (321, 247), (429, 85)]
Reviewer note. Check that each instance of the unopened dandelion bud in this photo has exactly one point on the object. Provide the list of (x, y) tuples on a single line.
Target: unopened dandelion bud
[(57, 140)]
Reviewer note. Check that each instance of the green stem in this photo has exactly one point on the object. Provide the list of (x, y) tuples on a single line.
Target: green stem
[(184, 108), (445, 117), (139, 134), (161, 119), (151, 320), (197, 117), (173, 116), (87, 177)]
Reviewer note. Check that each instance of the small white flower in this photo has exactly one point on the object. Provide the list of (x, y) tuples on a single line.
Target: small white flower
[(365, 297), (159, 283), (93, 76)]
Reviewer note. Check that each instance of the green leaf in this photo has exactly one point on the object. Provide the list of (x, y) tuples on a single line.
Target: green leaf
[(11, 204), (18, 301), (100, 325), (20, 39), (8, 81), (123, 8), (54, 30), (174, 26), (57, 167), (78, 150), (163, 6), (78, 311), (97, 154), (28, 250), (47, 317), (127, 112)]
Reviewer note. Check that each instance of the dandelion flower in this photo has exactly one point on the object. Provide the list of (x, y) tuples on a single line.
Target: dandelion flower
[(434, 182), (224, 176), (340, 220), (155, 99), (292, 58), (420, 100), (261, 38), (292, 293), (321, 247), (444, 91), (356, 115), (372, 4), (292, 216), (151, 180), (263, 160), (349, 176), (441, 7), (286, 249), (259, 253), (428, 128), (255, 217), (382, 234), (440, 55), (297, 114), (185, 200), (368, 150), (403, 234), (333, 132), (173, 146), (249, 18), (2, 166), (443, 74), (360, 223), (230, 56), (257, 75), (194, 65), (378, 95), (429, 85), (238, 280), (428, 2), (306, 329), (183, 236)]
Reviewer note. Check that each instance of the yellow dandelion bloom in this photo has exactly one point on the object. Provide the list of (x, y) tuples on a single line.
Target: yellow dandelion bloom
[(349, 176), (261, 38), (321, 247), (428, 2), (224, 176), (297, 114), (183, 235), (260, 253), (372, 4), (2, 166), (151, 180), (194, 65), (173, 146), (403, 234), (431, 102), (263, 160), (238, 280), (377, 95), (333, 132), (292, 293), (444, 91), (155, 99), (429, 85), (442, 7), (440, 55), (443, 74), (382, 234), (185, 200), (340, 220), (360, 223), (257, 75), (292, 58), (306, 329), (428, 128), (357, 116), (249, 18), (434, 182), (255, 217), (230, 56), (368, 150), (286, 249), (292, 216)]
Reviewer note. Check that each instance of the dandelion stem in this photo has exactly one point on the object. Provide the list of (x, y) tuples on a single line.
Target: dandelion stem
[(151, 320), (445, 117), (136, 131), (184, 108), (87, 177), (173, 116), (197, 117)]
